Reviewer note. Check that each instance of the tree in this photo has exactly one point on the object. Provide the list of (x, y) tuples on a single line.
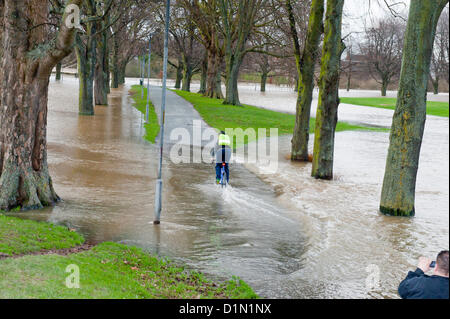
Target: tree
[(129, 35), (2, 4), (327, 109), (398, 192), (305, 68), (264, 67), (239, 20), (101, 71), (94, 32), (383, 50), (440, 56), (26, 64), (347, 67), (205, 15), (86, 50), (188, 51), (204, 73)]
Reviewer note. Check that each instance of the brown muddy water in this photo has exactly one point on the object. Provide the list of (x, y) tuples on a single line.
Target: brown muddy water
[(287, 235)]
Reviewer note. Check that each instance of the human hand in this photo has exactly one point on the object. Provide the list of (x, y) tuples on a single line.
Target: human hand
[(424, 264)]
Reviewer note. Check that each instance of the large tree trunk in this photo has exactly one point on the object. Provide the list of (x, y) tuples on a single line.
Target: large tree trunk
[(2, 5), (122, 71), (115, 63), (204, 75), (86, 58), (213, 75), (108, 73), (327, 108), (232, 77), (187, 74), (24, 78), (305, 66), (384, 85), (399, 184), (179, 75), (265, 69), (101, 67), (264, 75)]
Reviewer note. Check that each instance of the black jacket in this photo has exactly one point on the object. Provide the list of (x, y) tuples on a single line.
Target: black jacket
[(417, 285)]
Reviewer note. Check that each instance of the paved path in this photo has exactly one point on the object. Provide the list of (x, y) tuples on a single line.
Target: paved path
[(179, 114)]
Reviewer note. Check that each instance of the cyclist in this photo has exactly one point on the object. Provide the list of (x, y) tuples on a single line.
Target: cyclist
[(222, 152)]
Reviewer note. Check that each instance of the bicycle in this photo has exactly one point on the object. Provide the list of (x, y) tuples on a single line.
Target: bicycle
[(223, 176)]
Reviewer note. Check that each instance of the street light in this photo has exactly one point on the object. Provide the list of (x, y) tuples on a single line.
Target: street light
[(158, 195)]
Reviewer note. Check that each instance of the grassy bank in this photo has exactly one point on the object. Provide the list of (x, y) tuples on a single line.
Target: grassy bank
[(433, 108), (222, 116), (151, 128), (19, 236), (108, 270)]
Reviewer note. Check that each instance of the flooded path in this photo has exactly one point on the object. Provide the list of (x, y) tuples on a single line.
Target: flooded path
[(285, 234), (106, 175)]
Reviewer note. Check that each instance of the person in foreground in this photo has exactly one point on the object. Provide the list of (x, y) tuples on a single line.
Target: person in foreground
[(222, 152), (418, 285)]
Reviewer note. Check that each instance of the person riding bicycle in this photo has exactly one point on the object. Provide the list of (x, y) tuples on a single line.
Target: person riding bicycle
[(222, 152)]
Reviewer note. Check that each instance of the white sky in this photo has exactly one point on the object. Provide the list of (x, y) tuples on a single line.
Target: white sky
[(358, 13)]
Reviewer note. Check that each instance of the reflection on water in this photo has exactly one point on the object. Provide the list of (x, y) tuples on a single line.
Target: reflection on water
[(286, 234)]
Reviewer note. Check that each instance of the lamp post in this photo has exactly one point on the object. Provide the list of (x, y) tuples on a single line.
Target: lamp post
[(158, 195)]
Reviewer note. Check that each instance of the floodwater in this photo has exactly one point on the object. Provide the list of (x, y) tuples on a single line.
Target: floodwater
[(286, 234)]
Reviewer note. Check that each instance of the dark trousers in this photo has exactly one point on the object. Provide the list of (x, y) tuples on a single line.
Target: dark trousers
[(219, 171)]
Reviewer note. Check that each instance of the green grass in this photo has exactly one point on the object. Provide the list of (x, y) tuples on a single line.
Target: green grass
[(19, 236), (152, 128), (223, 117), (110, 270), (433, 108)]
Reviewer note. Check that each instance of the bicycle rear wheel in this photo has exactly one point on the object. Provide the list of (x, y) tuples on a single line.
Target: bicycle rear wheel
[(223, 179)]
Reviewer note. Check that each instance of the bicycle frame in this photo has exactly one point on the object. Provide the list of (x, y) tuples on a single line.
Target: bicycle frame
[(223, 178)]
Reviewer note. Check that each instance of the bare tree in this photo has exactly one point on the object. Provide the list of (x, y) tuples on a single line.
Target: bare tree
[(383, 50), (348, 64), (129, 35), (205, 15), (439, 68), (186, 49), (239, 19)]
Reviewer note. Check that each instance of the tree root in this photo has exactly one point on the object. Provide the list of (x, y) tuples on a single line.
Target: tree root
[(26, 189)]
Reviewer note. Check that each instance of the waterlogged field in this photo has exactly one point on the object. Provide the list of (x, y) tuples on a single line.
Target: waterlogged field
[(433, 107), (279, 232), (223, 117)]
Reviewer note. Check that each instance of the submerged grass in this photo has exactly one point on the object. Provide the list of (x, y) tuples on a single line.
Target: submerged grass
[(221, 117), (109, 270), (433, 107), (151, 128)]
